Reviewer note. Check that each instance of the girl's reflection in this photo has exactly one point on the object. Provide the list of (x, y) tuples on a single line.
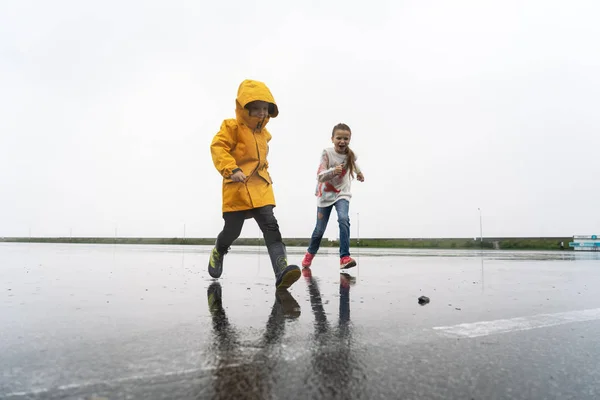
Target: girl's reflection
[(334, 361)]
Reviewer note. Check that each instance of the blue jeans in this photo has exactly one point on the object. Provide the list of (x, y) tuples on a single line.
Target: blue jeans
[(341, 207)]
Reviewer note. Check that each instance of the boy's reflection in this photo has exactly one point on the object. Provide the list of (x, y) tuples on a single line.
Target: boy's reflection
[(334, 361), (234, 376)]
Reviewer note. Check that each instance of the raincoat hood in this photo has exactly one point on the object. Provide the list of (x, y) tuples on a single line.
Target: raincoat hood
[(249, 91)]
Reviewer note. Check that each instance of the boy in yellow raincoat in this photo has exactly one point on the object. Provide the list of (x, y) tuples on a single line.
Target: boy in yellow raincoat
[(239, 151)]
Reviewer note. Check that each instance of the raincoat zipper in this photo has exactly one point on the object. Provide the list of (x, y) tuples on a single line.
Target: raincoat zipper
[(258, 126)]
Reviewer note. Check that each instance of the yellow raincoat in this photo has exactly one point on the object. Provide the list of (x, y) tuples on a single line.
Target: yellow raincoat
[(243, 143)]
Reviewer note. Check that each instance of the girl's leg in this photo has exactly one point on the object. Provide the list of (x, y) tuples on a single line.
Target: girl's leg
[(323, 214), (342, 207)]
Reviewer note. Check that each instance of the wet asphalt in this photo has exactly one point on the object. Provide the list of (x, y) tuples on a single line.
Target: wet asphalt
[(146, 322)]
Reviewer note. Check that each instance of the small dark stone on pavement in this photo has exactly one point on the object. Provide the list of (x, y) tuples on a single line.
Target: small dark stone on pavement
[(423, 300)]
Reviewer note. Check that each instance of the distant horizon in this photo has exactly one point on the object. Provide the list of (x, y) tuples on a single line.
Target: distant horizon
[(496, 243), (292, 237)]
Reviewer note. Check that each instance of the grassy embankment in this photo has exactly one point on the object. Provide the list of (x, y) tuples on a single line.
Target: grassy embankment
[(517, 243)]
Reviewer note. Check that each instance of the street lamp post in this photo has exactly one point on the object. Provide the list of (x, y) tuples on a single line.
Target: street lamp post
[(358, 228), (358, 235), (480, 228)]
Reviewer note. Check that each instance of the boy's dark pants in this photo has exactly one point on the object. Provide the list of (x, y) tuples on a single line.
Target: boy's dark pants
[(264, 217)]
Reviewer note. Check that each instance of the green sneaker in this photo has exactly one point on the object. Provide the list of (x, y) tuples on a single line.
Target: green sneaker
[(215, 263), (213, 293)]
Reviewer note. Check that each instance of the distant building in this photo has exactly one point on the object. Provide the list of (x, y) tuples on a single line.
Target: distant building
[(585, 243)]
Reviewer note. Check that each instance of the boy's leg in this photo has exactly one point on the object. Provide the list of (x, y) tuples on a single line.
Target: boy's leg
[(267, 223), (234, 221), (323, 214), (285, 274)]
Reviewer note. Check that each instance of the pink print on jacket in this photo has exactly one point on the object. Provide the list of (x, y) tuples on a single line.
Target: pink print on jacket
[(326, 186)]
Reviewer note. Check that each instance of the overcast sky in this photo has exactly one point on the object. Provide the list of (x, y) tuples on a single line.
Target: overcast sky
[(108, 108)]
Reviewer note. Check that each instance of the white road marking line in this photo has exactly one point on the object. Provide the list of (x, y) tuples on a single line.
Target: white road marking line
[(485, 328), (111, 382)]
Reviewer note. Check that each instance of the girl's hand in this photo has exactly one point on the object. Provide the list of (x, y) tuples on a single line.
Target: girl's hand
[(360, 177), (338, 170), (238, 177)]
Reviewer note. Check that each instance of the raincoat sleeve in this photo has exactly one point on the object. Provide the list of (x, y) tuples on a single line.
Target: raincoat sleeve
[(220, 149), (323, 173)]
